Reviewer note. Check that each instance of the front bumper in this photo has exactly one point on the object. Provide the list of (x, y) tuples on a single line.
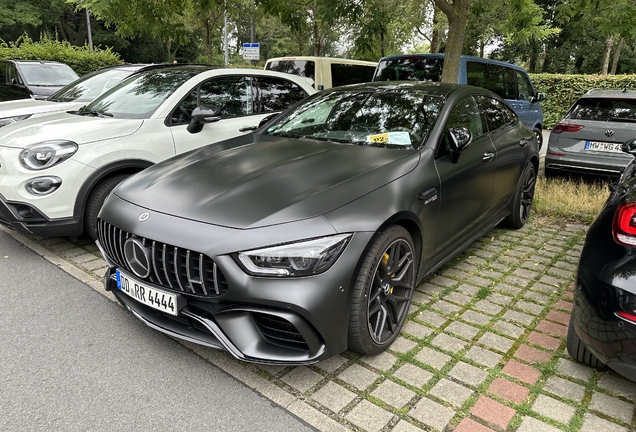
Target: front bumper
[(291, 321), (28, 219)]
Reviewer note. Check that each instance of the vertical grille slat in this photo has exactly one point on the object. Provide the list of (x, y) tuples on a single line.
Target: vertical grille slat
[(174, 268)]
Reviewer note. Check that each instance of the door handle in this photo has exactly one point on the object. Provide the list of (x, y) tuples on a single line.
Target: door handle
[(488, 156), (248, 128), (523, 142)]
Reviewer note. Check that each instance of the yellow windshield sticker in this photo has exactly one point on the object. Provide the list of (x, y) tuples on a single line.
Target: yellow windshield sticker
[(378, 139)]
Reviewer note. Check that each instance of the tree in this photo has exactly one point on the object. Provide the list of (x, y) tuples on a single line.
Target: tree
[(456, 13)]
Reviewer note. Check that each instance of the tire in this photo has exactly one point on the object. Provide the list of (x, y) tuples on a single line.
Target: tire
[(539, 134), (579, 351), (95, 201), (379, 305), (522, 199)]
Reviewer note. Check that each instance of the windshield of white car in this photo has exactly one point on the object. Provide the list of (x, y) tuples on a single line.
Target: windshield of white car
[(90, 86), (399, 118), (47, 74), (138, 96)]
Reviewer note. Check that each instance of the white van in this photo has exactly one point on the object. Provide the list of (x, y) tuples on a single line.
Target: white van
[(326, 72)]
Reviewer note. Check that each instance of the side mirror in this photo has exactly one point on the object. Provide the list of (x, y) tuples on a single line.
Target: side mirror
[(539, 97), (267, 119), (460, 138), (201, 116), (630, 147)]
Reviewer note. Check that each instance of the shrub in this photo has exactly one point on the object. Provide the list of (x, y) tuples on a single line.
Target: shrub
[(81, 59), (563, 90)]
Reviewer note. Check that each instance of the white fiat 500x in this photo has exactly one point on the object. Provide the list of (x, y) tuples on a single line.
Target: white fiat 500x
[(56, 170)]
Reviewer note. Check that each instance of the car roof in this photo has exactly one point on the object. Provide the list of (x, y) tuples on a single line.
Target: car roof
[(463, 57), (433, 88), (613, 94), (36, 61)]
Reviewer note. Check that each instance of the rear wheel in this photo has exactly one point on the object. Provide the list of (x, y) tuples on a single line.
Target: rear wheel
[(539, 134), (522, 199), (579, 351), (382, 293), (95, 201)]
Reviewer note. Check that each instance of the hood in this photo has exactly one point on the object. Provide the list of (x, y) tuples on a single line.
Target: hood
[(32, 106), (76, 128), (256, 180)]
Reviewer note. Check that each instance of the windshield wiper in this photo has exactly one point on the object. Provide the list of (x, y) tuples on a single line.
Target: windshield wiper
[(93, 112)]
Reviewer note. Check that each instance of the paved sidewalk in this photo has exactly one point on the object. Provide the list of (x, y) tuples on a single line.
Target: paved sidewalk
[(483, 349)]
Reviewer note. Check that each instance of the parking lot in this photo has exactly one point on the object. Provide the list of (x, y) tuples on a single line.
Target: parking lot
[(483, 348)]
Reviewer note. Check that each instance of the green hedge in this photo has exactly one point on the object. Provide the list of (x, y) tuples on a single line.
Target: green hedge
[(563, 90), (81, 59)]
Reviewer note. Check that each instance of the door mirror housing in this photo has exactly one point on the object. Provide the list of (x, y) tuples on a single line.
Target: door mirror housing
[(539, 97), (460, 138), (202, 115)]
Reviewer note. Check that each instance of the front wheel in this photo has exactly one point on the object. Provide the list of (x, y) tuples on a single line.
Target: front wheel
[(95, 201), (522, 199), (382, 293)]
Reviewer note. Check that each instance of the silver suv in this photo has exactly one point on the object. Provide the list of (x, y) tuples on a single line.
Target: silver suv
[(589, 138)]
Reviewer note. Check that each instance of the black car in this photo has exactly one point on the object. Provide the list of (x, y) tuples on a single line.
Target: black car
[(602, 329), (307, 237), (24, 79)]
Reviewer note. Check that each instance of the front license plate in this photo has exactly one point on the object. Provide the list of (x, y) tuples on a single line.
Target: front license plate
[(150, 296), (604, 147)]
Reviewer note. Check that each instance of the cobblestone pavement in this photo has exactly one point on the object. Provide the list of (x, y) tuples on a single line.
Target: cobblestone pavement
[(483, 349)]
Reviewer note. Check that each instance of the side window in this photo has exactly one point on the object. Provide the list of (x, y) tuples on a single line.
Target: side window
[(12, 75), (497, 114), (277, 94), (3, 72), (475, 74), (232, 95), (525, 91), (497, 79), (343, 74), (466, 113)]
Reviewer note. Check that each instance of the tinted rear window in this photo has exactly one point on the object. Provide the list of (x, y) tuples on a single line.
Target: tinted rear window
[(604, 109), (343, 74), (410, 69), (303, 68)]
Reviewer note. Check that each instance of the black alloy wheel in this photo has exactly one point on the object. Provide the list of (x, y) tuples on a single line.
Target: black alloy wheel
[(383, 292), (538, 133), (522, 200)]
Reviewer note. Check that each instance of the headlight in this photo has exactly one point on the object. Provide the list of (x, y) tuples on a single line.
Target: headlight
[(295, 259), (47, 154), (10, 120)]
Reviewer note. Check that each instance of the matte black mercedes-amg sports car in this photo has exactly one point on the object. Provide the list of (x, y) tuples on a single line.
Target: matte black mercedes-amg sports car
[(602, 328), (308, 237)]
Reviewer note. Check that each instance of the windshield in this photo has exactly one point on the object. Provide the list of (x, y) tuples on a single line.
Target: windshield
[(47, 74), (399, 118), (410, 68), (604, 109), (140, 95), (90, 86)]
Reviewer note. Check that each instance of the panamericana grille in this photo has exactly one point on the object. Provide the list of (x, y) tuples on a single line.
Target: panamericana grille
[(173, 267), (279, 331)]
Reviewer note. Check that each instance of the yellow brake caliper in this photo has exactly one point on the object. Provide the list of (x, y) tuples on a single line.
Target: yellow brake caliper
[(385, 261)]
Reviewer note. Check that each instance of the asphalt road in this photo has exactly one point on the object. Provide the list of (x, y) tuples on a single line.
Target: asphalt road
[(72, 360)]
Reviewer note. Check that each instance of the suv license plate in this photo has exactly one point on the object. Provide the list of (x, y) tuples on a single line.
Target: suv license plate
[(150, 296), (604, 147)]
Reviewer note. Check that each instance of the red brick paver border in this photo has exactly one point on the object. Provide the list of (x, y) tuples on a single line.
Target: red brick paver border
[(468, 425), (508, 390), (545, 341), (523, 373), (552, 328), (558, 316), (532, 355), (493, 412), (563, 305)]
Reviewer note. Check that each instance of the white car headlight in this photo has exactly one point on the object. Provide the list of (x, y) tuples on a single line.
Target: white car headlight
[(304, 258), (47, 154), (10, 120)]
